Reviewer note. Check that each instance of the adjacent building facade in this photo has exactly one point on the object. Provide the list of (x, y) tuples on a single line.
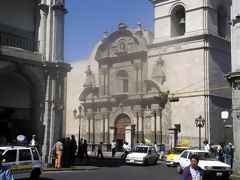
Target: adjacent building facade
[(123, 90), (234, 78), (32, 71)]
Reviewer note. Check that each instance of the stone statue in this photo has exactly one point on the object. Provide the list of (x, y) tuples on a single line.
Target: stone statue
[(158, 73), (90, 78), (60, 3)]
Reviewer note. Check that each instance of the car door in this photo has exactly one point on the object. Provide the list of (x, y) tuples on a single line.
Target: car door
[(9, 158), (24, 163), (183, 159)]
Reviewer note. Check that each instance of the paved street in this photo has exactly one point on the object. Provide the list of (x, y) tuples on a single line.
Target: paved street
[(117, 170)]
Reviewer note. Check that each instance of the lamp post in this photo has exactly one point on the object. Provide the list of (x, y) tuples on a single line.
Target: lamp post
[(79, 117), (199, 121)]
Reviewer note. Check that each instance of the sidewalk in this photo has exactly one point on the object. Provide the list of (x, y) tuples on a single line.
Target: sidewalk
[(93, 163)]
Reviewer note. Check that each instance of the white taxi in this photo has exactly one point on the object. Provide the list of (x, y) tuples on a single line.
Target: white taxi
[(24, 162), (143, 154), (210, 165)]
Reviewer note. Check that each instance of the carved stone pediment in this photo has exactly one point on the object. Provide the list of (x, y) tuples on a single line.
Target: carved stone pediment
[(123, 45)]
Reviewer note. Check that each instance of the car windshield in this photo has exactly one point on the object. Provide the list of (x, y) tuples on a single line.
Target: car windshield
[(206, 156), (141, 149), (177, 151)]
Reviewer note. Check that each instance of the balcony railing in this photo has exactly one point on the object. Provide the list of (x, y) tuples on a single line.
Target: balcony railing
[(12, 40)]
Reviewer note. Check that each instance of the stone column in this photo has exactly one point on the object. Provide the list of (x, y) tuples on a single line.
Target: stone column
[(103, 128), (140, 78), (159, 127), (107, 82), (140, 127), (153, 125), (136, 76), (111, 134), (101, 83), (106, 130)]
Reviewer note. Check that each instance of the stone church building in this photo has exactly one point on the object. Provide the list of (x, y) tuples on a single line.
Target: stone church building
[(125, 90)]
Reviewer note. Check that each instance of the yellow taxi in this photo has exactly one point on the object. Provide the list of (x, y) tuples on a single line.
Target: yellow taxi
[(171, 157)]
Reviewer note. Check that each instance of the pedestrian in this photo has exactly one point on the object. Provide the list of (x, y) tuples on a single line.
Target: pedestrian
[(73, 144), (220, 152), (155, 146), (80, 153), (100, 146), (113, 146), (33, 142), (126, 150), (66, 158), (162, 151), (206, 146), (193, 171), (59, 153), (85, 151), (5, 172), (227, 154)]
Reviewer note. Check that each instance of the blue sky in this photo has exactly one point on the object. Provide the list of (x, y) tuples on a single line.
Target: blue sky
[(87, 19)]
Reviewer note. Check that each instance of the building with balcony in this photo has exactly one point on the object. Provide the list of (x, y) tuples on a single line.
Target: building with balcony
[(32, 71)]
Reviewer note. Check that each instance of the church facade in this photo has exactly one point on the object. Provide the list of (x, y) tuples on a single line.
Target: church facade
[(125, 91)]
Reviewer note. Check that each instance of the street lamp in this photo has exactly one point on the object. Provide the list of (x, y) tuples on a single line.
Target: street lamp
[(79, 117), (199, 123)]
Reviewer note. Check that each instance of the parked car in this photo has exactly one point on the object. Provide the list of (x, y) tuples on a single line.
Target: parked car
[(143, 154), (207, 161), (172, 156), (24, 162)]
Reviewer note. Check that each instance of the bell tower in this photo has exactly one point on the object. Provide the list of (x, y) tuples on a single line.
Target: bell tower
[(193, 40)]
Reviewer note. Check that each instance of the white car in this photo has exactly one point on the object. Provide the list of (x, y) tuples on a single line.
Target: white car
[(24, 162), (143, 154), (210, 165)]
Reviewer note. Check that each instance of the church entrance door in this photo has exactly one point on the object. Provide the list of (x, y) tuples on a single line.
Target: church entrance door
[(119, 134)]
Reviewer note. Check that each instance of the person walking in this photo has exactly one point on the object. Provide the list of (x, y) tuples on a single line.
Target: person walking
[(80, 153), (85, 151), (193, 171), (5, 172), (227, 154), (59, 152), (33, 142), (100, 146), (162, 151), (126, 150), (73, 145), (113, 146), (206, 146)]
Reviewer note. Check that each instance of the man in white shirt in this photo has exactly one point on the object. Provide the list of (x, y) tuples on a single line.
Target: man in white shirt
[(126, 150), (114, 145), (206, 146), (33, 142)]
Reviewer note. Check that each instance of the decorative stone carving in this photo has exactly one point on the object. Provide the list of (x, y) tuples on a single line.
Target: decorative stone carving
[(60, 3), (90, 78), (123, 45), (158, 73)]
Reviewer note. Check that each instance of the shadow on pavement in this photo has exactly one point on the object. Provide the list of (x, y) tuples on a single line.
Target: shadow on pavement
[(106, 162)]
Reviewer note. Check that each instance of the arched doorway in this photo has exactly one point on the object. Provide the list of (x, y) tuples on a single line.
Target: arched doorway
[(15, 107), (119, 134)]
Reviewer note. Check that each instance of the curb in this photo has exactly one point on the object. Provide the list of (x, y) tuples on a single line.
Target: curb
[(236, 176), (71, 169)]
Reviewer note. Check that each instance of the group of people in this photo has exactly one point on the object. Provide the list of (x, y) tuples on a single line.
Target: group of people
[(64, 150), (223, 152)]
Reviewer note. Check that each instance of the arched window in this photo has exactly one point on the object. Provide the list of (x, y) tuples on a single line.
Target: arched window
[(222, 21), (122, 77), (178, 21)]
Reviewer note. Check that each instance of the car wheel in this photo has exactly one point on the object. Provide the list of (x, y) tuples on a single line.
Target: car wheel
[(168, 165), (35, 174), (179, 169), (155, 162)]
